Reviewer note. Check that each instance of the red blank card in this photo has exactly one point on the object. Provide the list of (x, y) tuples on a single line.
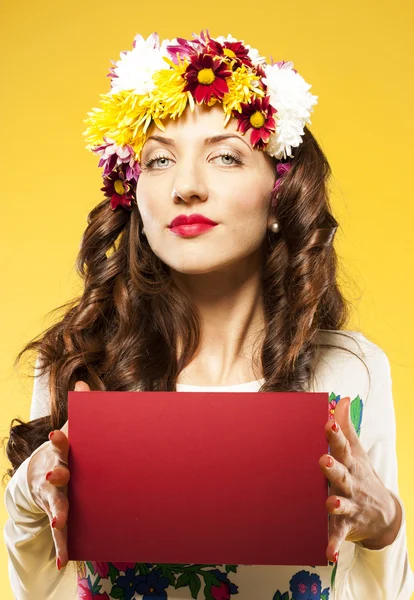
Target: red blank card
[(198, 477)]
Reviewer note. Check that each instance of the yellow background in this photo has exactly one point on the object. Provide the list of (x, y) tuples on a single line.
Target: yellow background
[(357, 56)]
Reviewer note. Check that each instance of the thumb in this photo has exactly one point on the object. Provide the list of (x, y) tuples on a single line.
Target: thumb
[(342, 413), (343, 417), (82, 386)]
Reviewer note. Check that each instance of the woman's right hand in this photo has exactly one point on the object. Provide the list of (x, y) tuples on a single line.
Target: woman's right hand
[(48, 481)]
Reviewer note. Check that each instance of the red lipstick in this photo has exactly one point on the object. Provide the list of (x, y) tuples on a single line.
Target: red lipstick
[(191, 225)]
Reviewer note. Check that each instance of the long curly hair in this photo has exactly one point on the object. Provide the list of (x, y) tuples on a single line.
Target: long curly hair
[(123, 331)]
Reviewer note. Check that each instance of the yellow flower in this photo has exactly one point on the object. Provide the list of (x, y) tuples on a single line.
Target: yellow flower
[(243, 84), (126, 116), (81, 569)]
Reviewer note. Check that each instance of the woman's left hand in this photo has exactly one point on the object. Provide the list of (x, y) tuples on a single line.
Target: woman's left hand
[(361, 508)]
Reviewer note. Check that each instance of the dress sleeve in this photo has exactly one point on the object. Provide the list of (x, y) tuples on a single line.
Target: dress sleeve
[(28, 536), (40, 406), (381, 574)]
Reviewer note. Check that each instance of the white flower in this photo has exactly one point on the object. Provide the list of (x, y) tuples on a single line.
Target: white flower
[(135, 69), (252, 52), (289, 94)]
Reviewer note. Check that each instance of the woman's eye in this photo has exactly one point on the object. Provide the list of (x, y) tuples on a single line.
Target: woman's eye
[(230, 159), (149, 163)]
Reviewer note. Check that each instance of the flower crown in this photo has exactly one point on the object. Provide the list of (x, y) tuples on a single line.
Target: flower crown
[(154, 81)]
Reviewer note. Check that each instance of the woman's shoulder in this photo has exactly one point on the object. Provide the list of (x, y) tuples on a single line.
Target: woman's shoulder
[(347, 361), (350, 345)]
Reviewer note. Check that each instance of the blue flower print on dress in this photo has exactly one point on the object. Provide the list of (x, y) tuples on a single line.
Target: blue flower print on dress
[(307, 586), (152, 585), (127, 583), (304, 586)]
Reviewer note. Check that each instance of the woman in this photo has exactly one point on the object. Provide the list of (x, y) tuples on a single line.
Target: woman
[(210, 265)]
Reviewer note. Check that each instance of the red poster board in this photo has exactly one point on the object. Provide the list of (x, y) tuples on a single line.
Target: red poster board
[(198, 477)]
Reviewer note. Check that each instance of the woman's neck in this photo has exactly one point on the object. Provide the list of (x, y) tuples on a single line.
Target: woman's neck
[(232, 328)]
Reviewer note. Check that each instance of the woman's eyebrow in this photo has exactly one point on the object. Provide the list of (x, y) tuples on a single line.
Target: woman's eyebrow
[(208, 141)]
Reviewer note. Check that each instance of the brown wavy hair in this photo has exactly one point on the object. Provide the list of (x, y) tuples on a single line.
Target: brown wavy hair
[(124, 330)]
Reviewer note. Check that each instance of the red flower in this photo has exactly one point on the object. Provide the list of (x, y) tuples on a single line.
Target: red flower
[(233, 50), (332, 406), (222, 592), (206, 76), (257, 115), (118, 188)]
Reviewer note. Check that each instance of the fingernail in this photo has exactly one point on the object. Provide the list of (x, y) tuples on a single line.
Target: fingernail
[(58, 563), (337, 503), (50, 434), (48, 474), (335, 557), (335, 427), (54, 521), (329, 461)]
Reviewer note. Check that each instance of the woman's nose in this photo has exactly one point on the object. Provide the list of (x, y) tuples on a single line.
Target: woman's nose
[(189, 183)]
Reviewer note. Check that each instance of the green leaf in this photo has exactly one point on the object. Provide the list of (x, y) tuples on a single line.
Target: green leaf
[(113, 573), (279, 596), (142, 568), (195, 585), (332, 396), (207, 590), (96, 588), (117, 592), (232, 568), (90, 567), (212, 578), (333, 575), (183, 580), (356, 413), (166, 572)]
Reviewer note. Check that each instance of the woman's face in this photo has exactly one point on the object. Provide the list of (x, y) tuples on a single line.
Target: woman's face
[(225, 180)]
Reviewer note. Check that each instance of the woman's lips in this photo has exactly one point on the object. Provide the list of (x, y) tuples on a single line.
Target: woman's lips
[(190, 220), (191, 230)]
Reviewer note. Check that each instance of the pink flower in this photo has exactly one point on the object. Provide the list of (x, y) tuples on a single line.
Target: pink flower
[(222, 592), (184, 48), (85, 592), (281, 169), (102, 568), (112, 156)]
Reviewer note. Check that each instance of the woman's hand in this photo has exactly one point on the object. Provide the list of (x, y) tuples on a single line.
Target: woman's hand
[(361, 508), (48, 476)]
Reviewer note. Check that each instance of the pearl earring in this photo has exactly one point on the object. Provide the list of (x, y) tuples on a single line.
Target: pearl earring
[(143, 232), (274, 227)]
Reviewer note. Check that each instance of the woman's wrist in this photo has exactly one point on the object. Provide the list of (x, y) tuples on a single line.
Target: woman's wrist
[(387, 536)]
